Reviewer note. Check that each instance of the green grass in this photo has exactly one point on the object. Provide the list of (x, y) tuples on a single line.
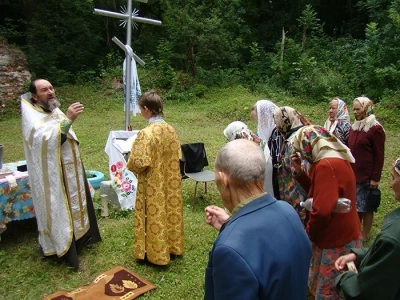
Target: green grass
[(24, 275)]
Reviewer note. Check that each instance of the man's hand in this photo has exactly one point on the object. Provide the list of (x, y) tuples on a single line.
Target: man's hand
[(216, 216), (341, 262), (74, 110)]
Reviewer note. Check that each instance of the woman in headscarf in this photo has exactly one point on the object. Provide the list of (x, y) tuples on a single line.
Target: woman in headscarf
[(263, 113), (288, 121), (378, 267), (338, 122), (367, 143), (239, 130), (330, 177)]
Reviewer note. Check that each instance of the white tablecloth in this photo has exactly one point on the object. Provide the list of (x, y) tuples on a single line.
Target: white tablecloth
[(124, 181)]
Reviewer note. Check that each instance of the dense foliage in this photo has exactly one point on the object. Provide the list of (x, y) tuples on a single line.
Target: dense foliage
[(312, 49)]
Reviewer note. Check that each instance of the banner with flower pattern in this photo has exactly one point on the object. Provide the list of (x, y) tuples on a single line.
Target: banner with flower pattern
[(123, 181)]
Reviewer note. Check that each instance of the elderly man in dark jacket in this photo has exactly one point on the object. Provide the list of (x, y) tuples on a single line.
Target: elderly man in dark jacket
[(262, 251)]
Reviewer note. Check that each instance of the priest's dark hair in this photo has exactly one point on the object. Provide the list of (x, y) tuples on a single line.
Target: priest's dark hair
[(32, 86)]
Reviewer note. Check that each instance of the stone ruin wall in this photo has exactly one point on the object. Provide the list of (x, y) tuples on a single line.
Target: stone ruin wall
[(14, 74)]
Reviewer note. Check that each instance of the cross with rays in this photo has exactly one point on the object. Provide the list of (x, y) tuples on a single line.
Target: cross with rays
[(128, 18)]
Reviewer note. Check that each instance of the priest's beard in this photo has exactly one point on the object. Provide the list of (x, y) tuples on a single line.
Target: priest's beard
[(50, 106), (53, 105)]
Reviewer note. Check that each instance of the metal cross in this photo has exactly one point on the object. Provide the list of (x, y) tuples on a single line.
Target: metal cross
[(127, 17)]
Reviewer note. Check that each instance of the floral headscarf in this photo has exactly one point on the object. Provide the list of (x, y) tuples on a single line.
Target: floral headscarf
[(369, 119), (314, 142), (397, 166), (265, 116), (367, 105), (239, 130), (288, 120)]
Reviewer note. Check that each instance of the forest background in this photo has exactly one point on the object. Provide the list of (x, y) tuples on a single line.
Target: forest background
[(310, 49), (211, 60)]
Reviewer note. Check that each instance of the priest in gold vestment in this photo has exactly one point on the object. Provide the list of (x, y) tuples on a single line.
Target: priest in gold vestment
[(158, 229), (60, 193)]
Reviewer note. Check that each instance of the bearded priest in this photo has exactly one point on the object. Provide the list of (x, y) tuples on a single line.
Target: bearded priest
[(63, 204)]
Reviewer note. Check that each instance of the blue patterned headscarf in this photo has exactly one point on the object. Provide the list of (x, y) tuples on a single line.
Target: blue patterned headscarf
[(342, 113)]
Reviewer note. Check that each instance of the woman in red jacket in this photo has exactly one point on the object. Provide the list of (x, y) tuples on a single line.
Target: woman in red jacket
[(330, 177), (367, 144)]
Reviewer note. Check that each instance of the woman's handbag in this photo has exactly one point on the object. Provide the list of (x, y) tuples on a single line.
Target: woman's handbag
[(374, 199)]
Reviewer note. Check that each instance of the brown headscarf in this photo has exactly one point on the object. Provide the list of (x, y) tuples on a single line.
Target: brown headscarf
[(288, 120)]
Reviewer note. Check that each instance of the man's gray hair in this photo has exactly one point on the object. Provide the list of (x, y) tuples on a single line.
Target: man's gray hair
[(242, 160)]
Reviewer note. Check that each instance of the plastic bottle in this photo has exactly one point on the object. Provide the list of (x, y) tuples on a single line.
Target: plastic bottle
[(343, 205)]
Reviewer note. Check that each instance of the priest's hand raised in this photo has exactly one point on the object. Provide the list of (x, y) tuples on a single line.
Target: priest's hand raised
[(74, 110)]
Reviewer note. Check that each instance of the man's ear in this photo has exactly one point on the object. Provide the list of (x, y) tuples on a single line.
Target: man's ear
[(224, 178)]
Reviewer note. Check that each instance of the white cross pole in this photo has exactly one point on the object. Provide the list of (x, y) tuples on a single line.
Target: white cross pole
[(127, 48)]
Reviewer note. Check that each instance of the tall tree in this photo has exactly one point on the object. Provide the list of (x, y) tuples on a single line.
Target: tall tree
[(383, 48), (204, 32), (64, 39)]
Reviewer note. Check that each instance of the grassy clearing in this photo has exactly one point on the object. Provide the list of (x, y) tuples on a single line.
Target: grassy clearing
[(25, 276)]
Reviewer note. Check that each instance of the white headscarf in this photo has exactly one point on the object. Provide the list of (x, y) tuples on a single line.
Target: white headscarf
[(266, 124), (239, 130), (234, 127)]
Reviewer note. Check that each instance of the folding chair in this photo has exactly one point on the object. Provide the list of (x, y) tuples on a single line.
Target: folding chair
[(194, 159)]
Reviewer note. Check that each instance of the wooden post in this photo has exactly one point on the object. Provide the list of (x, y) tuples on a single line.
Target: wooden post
[(104, 205)]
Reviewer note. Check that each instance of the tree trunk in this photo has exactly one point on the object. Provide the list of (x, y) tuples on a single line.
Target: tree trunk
[(282, 46), (303, 43), (190, 58)]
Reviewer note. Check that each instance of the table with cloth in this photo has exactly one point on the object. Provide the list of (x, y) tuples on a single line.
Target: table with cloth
[(15, 198)]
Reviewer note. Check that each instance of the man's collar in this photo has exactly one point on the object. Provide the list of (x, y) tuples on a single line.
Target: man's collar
[(239, 206), (246, 201)]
